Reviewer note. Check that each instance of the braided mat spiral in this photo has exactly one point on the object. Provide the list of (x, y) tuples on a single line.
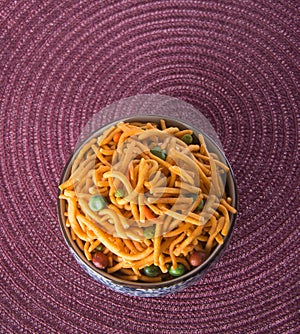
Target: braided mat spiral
[(235, 61)]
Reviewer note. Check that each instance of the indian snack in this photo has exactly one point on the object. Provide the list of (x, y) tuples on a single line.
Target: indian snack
[(147, 202)]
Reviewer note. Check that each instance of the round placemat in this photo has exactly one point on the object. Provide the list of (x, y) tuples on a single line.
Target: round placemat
[(237, 62)]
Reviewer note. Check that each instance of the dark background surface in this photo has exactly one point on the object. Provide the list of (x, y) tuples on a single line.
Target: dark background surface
[(238, 63)]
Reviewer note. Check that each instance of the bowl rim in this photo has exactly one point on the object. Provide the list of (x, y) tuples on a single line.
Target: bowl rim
[(77, 252)]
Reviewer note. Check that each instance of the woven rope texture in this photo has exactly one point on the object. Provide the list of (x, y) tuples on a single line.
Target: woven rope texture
[(235, 61)]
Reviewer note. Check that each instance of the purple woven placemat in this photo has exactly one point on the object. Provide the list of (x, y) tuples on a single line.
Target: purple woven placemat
[(235, 61)]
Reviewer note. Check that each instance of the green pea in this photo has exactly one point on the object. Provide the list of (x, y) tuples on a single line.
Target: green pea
[(151, 271), (179, 271), (119, 193), (97, 203), (200, 205), (187, 138), (99, 248), (149, 232), (157, 151)]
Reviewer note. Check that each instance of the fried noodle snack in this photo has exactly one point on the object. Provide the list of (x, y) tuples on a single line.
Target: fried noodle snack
[(147, 196)]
